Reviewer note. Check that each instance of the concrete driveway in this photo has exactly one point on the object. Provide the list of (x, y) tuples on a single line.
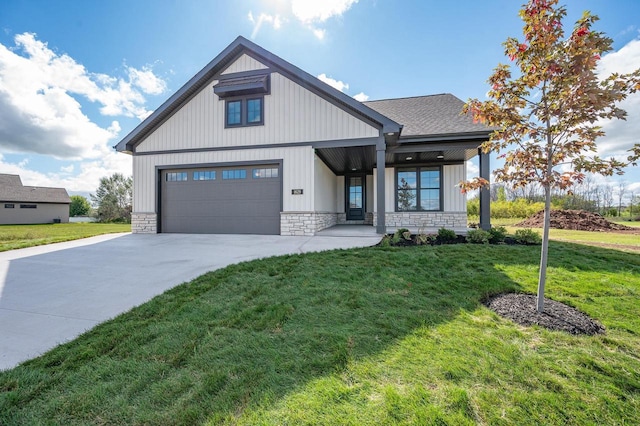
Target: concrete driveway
[(51, 294)]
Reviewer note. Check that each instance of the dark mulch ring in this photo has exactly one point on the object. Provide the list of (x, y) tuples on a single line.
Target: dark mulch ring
[(521, 309)]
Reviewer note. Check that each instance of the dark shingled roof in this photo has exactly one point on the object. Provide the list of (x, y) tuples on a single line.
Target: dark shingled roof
[(12, 190), (428, 115)]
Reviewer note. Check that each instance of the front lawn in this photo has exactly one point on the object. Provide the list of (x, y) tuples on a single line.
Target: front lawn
[(21, 236), (612, 239), (364, 337)]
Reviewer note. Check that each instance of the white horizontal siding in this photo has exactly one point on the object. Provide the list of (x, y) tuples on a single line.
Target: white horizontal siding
[(291, 114), (244, 63), (296, 173), (454, 200)]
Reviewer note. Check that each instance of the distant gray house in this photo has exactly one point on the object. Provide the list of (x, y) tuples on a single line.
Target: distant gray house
[(21, 204), (253, 144)]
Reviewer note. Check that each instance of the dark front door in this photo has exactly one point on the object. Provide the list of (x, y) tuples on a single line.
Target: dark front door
[(355, 197)]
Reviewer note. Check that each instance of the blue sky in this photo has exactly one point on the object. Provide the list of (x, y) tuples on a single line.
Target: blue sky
[(77, 76)]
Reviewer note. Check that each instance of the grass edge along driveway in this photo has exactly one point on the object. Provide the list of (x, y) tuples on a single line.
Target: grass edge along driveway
[(362, 336), (23, 236)]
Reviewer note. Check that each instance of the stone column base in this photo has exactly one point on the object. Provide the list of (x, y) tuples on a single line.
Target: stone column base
[(305, 223), (144, 223)]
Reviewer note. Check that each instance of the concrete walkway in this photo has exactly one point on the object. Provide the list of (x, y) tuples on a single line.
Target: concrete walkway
[(51, 294)]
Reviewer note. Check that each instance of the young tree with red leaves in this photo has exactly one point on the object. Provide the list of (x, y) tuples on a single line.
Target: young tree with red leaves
[(546, 113)]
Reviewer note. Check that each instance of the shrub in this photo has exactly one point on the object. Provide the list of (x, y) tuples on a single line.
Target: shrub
[(527, 236), (478, 236), (401, 234), (422, 239), (385, 241), (497, 234), (446, 235)]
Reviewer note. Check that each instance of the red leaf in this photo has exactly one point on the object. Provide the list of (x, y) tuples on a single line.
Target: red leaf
[(582, 31)]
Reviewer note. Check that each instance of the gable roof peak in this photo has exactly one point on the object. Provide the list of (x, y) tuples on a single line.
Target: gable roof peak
[(223, 60)]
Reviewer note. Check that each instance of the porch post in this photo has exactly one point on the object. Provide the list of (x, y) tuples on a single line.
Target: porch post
[(381, 148), (485, 199)]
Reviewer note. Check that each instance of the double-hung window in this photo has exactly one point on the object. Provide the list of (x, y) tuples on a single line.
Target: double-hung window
[(418, 189)]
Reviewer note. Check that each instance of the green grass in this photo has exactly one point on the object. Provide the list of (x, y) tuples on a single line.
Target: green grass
[(21, 236), (610, 238), (369, 336)]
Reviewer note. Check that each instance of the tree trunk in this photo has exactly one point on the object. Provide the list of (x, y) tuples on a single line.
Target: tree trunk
[(545, 248)]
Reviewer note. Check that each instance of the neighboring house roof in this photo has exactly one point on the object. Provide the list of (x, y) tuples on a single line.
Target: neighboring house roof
[(239, 46), (429, 115), (12, 190)]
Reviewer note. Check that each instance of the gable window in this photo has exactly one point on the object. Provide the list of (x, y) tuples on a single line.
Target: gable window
[(418, 189), (234, 113), (244, 112), (254, 110)]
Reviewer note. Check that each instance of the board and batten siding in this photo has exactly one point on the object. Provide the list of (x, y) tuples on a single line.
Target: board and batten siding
[(324, 187), (244, 63), (297, 162), (291, 114), (453, 199)]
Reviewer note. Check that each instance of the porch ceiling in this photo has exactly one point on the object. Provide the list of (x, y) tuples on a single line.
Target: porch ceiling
[(342, 160), (407, 157), (349, 159)]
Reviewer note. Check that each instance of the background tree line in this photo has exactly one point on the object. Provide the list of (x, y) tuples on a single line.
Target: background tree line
[(110, 203), (613, 200)]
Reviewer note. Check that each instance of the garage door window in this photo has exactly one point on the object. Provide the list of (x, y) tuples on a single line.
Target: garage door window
[(265, 173), (234, 174), (204, 175), (176, 176)]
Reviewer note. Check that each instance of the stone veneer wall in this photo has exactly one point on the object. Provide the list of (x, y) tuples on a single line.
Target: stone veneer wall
[(305, 223), (144, 223), (368, 219), (425, 220)]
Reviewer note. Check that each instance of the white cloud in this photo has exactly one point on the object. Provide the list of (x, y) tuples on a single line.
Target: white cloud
[(146, 80), (86, 180), (319, 11), (361, 97), (621, 134), (275, 21), (336, 84), (319, 33), (39, 108), (309, 13)]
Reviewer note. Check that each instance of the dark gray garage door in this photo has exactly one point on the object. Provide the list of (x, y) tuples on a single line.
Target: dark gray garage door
[(222, 200)]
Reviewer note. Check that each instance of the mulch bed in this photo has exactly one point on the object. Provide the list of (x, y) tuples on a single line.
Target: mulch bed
[(521, 309), (577, 220)]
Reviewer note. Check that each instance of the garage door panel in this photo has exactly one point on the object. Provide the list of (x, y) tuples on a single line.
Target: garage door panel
[(233, 206)]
